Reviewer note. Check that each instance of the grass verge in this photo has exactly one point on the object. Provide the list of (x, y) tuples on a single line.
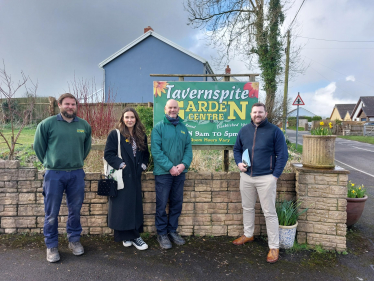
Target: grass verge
[(294, 128), (365, 139)]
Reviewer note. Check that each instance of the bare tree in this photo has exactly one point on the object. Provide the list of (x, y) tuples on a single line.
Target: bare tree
[(93, 106), (246, 28), (8, 90)]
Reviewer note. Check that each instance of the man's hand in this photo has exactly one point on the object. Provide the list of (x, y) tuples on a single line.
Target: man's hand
[(181, 168), (174, 171), (242, 167)]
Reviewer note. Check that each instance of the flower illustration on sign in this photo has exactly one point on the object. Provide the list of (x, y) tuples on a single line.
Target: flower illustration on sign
[(252, 89), (159, 87)]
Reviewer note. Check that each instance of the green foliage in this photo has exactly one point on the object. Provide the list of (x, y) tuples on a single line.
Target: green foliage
[(269, 50), (288, 212), (294, 128), (322, 131), (355, 191), (316, 118), (146, 116), (365, 139), (338, 122)]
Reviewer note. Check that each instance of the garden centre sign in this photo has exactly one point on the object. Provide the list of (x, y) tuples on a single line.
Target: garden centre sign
[(213, 112)]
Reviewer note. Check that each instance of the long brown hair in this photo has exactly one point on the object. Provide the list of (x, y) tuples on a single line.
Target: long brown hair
[(138, 130)]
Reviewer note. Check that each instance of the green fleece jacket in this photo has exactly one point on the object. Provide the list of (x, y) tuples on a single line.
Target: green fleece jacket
[(60, 145), (170, 146)]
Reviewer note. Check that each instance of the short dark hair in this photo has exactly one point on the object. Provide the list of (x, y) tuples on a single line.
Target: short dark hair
[(259, 104), (66, 95)]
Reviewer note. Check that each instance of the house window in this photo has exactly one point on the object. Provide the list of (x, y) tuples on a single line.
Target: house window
[(363, 119)]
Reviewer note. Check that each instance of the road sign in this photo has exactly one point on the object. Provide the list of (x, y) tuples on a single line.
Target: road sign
[(298, 101)]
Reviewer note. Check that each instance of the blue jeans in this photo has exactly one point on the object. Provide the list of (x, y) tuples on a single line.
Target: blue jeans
[(55, 183), (168, 187)]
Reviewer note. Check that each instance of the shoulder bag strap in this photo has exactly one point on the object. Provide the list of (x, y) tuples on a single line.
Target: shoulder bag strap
[(119, 143)]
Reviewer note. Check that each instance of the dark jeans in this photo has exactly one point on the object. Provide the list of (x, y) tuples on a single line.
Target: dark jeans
[(55, 183), (168, 187)]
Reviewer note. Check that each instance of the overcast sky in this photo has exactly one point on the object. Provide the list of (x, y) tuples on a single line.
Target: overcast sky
[(51, 41)]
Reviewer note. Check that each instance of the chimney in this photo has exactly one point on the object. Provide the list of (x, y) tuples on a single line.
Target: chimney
[(148, 29), (228, 70)]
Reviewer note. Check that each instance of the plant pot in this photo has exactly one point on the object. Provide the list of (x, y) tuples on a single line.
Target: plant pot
[(287, 236), (355, 207), (319, 152)]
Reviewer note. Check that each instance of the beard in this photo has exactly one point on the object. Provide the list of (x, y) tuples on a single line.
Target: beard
[(67, 115)]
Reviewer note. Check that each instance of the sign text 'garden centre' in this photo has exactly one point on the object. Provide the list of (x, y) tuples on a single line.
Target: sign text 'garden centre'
[(213, 112)]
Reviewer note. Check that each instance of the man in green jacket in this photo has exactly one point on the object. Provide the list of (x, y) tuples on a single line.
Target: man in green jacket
[(62, 142), (172, 154)]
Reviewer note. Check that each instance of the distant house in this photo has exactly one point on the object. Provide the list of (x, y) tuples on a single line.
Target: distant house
[(342, 112), (364, 109), (126, 72), (302, 112)]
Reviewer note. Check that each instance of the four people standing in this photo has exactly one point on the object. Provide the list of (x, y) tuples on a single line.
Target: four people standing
[(268, 155), (125, 214), (61, 143)]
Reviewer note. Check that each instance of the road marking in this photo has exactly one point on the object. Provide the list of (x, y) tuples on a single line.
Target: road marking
[(372, 267), (371, 243), (363, 148), (355, 168)]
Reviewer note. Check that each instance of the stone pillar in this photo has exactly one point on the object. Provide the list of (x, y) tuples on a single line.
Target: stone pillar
[(324, 192)]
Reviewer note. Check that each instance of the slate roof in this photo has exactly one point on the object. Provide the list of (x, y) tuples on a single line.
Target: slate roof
[(343, 108), (161, 38), (299, 112), (368, 106)]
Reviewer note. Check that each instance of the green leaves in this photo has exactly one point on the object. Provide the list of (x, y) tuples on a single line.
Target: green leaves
[(288, 212)]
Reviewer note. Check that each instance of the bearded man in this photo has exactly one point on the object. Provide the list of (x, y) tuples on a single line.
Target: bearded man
[(61, 143), (268, 154)]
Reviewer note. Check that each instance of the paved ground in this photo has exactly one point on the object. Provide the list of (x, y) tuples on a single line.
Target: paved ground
[(22, 257)]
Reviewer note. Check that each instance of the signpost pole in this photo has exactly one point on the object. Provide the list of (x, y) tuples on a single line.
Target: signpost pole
[(298, 101), (297, 124)]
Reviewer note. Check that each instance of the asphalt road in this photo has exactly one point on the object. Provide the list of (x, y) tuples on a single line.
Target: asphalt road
[(357, 157)]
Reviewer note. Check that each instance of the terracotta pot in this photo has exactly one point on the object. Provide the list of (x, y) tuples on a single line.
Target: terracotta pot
[(355, 207), (319, 152), (287, 236)]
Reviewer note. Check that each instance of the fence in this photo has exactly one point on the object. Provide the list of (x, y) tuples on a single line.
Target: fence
[(352, 128)]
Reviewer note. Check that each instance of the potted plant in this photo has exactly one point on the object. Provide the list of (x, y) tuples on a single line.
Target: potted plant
[(319, 148), (356, 199), (288, 212)]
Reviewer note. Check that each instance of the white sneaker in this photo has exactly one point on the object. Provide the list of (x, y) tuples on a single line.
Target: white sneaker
[(127, 243), (139, 244)]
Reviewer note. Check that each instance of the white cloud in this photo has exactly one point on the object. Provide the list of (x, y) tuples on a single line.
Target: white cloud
[(322, 101), (350, 78)]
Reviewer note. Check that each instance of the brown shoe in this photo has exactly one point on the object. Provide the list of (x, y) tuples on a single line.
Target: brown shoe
[(273, 256), (242, 240)]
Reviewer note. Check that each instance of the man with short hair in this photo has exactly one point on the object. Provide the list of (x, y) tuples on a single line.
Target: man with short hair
[(268, 155), (62, 142), (172, 154)]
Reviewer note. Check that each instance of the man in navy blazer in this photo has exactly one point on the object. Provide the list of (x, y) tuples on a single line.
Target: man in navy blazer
[(268, 155)]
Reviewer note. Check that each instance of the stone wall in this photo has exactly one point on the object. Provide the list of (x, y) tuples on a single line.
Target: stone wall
[(324, 192), (212, 203)]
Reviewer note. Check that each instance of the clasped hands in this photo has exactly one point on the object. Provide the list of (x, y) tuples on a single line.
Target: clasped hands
[(177, 170)]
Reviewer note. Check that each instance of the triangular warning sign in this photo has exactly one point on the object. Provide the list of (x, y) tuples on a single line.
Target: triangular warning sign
[(298, 101)]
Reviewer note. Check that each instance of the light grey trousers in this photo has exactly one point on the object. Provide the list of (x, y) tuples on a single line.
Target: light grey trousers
[(265, 187)]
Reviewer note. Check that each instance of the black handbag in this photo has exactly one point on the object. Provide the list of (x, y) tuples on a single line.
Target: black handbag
[(107, 187)]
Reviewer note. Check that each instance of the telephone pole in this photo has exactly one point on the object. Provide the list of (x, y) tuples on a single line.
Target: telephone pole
[(286, 81)]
